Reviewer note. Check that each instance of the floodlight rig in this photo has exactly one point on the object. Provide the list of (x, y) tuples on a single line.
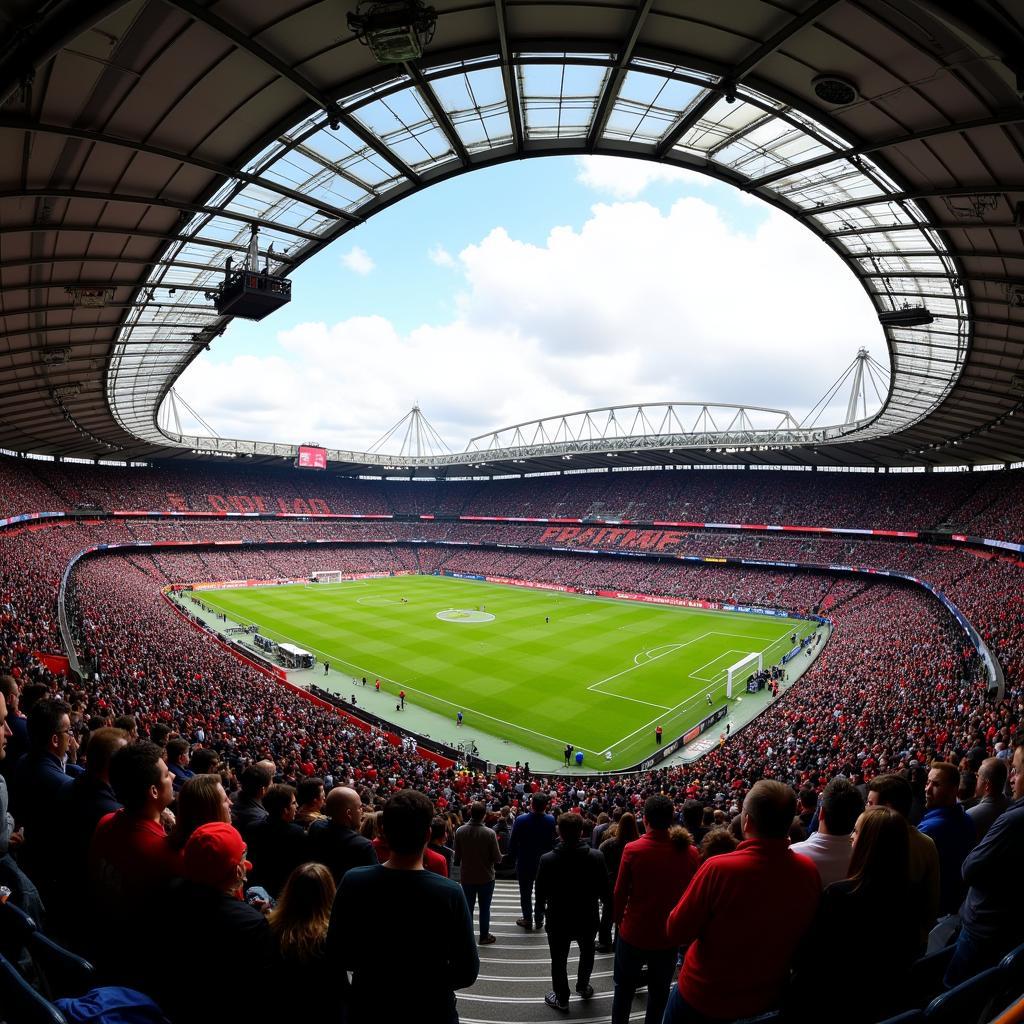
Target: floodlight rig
[(249, 292), (395, 30)]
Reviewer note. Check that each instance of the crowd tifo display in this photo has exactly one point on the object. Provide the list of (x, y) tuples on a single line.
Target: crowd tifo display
[(898, 689)]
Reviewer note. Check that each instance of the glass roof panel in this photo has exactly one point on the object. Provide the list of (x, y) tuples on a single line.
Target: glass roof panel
[(404, 123), (718, 124), (833, 183), (647, 106), (475, 103), (559, 102)]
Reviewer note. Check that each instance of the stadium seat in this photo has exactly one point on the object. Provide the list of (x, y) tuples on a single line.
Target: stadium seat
[(907, 1017), (15, 928), (924, 982), (966, 1003), (20, 1003), (61, 972), (1011, 984)]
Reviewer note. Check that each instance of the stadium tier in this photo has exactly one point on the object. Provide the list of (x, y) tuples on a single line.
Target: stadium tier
[(898, 684)]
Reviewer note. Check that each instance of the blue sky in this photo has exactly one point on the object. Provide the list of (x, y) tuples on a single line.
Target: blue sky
[(537, 288)]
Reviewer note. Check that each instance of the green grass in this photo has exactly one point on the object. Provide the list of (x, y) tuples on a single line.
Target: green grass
[(601, 675)]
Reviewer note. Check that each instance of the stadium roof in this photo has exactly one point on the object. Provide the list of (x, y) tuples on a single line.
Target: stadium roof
[(141, 141)]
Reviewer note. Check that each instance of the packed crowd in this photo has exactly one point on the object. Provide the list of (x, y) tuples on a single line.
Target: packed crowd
[(985, 504), (896, 690)]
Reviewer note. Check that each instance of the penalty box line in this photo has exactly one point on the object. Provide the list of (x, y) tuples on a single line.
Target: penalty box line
[(334, 659), (682, 704)]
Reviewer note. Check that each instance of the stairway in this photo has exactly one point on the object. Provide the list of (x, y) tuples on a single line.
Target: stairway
[(515, 975)]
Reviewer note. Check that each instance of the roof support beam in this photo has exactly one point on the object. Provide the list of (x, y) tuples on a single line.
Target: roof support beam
[(618, 73), (161, 203), (728, 85), (440, 115), (115, 326), (46, 261), (160, 236), (71, 307), (34, 286), (334, 113), (223, 170), (508, 77), (995, 120), (930, 193)]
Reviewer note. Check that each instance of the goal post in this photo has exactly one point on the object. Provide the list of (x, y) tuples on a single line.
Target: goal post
[(739, 667), (327, 576)]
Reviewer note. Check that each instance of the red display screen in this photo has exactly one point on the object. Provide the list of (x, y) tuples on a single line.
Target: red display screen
[(311, 458)]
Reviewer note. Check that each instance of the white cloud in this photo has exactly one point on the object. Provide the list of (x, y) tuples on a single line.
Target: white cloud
[(627, 179), (636, 305), (440, 256), (358, 260)]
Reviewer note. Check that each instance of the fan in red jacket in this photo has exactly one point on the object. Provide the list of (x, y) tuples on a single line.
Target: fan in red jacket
[(762, 890)]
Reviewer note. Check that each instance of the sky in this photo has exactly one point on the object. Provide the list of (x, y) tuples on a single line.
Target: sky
[(538, 288)]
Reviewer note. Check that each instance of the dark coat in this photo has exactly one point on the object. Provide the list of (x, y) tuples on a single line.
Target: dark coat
[(275, 848), (339, 847), (572, 882)]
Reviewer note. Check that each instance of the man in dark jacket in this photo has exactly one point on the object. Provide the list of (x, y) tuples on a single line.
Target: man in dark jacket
[(248, 808), (37, 784), (533, 835), (572, 882), (993, 911), (403, 932), (336, 841), (276, 845)]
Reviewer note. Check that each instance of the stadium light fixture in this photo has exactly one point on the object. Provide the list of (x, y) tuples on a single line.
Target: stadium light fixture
[(906, 316), (394, 30)]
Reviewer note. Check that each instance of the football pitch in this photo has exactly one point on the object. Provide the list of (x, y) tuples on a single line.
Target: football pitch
[(600, 674)]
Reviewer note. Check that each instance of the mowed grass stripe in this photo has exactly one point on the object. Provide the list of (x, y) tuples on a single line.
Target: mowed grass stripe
[(517, 677)]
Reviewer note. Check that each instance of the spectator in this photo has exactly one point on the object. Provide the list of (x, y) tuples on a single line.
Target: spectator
[(299, 926), (130, 856), (178, 762), (716, 842), (572, 885), (623, 832), (202, 800), (763, 889), (533, 835), (476, 850), (992, 918), (653, 874), (434, 961), (37, 786), (23, 893), (17, 742), (867, 911), (277, 845), (248, 808), (204, 761), (80, 808), (830, 848), (335, 841), (948, 826), (229, 985), (992, 800), (311, 797), (437, 844)]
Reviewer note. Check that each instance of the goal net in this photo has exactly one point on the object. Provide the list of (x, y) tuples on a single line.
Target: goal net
[(332, 576), (743, 666)]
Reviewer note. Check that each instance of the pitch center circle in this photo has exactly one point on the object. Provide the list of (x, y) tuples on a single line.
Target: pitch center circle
[(464, 615)]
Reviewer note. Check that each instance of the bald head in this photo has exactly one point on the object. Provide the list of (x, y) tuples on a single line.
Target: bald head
[(344, 807)]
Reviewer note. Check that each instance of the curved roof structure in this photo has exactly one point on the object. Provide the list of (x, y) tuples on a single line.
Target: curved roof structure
[(141, 142)]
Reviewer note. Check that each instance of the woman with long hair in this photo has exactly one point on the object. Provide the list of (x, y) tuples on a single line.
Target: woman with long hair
[(202, 799), (299, 926), (875, 908)]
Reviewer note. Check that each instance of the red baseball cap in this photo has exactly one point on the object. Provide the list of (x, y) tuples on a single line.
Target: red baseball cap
[(213, 852)]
